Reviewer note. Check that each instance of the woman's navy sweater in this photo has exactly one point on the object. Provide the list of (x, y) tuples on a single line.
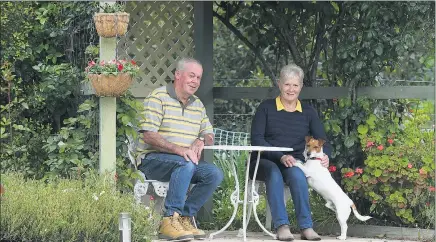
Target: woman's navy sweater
[(286, 129)]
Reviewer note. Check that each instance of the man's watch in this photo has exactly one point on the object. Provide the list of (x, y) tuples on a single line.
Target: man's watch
[(201, 138)]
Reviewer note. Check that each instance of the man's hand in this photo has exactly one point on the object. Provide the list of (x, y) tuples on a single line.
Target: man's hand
[(189, 155), (288, 160), (197, 147), (325, 161)]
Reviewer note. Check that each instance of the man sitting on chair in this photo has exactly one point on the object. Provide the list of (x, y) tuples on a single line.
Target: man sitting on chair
[(175, 129)]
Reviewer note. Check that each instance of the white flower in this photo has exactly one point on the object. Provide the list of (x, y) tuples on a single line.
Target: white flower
[(95, 197)]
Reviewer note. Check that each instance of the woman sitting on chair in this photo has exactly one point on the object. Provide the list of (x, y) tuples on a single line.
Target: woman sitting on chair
[(284, 122)]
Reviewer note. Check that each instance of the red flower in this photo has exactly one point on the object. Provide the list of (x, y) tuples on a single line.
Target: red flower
[(374, 201), (349, 174), (334, 100), (431, 189), (120, 67), (380, 147), (409, 165), (332, 168), (390, 141), (369, 144), (359, 170), (133, 62)]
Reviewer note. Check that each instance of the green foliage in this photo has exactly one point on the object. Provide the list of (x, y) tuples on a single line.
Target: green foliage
[(398, 172), (73, 151), (69, 210), (128, 109), (113, 8), (21, 137)]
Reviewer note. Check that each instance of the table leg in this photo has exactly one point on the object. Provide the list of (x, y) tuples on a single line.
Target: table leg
[(234, 199), (244, 211), (256, 201)]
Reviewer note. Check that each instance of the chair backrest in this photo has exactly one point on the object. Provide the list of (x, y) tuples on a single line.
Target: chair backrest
[(224, 137)]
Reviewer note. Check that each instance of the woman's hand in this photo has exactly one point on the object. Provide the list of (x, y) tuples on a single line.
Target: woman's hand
[(325, 161), (288, 160)]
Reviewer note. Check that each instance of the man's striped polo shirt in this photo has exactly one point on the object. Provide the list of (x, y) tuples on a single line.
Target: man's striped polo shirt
[(177, 123)]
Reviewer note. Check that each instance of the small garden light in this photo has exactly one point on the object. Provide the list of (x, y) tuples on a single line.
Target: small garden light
[(125, 227)]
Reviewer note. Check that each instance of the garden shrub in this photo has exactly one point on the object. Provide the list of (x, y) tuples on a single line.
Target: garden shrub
[(398, 173), (69, 210)]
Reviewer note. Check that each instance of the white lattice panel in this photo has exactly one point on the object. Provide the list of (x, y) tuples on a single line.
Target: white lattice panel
[(159, 34)]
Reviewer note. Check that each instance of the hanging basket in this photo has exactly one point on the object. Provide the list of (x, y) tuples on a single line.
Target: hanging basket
[(110, 85), (109, 25)]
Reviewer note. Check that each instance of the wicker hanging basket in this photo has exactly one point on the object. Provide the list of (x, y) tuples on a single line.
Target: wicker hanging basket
[(110, 85), (109, 25)]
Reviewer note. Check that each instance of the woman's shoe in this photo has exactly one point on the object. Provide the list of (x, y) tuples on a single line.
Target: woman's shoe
[(284, 234)]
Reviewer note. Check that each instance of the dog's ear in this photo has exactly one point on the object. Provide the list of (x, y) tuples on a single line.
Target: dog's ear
[(308, 138), (321, 142)]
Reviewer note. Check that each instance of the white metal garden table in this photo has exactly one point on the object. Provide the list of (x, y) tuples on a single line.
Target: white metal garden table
[(234, 198)]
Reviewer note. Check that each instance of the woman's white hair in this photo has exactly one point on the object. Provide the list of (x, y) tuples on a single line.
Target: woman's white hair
[(291, 71), (180, 65)]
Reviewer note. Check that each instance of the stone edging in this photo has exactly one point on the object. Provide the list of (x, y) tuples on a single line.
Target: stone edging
[(372, 231)]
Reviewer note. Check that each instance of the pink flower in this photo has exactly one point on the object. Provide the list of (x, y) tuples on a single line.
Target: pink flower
[(359, 170), (390, 141), (422, 172), (151, 198), (380, 147), (91, 63), (409, 166), (133, 62), (102, 63), (332, 168), (349, 174), (431, 189), (369, 144)]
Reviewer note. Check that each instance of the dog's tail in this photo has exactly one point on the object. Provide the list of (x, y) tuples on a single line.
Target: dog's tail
[(357, 214)]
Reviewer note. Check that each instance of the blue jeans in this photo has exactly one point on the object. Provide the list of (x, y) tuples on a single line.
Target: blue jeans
[(181, 173), (274, 174)]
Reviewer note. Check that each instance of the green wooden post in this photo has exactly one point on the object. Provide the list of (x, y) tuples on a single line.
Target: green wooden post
[(203, 39), (108, 107)]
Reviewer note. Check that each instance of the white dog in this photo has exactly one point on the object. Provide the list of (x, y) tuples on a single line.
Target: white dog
[(320, 179)]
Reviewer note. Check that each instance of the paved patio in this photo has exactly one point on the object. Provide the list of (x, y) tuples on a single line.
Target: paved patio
[(231, 236)]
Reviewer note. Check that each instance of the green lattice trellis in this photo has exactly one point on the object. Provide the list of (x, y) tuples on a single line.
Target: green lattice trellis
[(159, 34)]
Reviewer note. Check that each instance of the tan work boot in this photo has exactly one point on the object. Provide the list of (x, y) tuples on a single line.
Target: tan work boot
[(171, 229), (309, 234), (187, 224), (284, 233)]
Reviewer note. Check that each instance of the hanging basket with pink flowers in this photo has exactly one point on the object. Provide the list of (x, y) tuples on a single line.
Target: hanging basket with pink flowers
[(111, 78)]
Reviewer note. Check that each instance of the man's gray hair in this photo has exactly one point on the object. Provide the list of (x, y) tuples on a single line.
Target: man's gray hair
[(180, 65), (291, 71)]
